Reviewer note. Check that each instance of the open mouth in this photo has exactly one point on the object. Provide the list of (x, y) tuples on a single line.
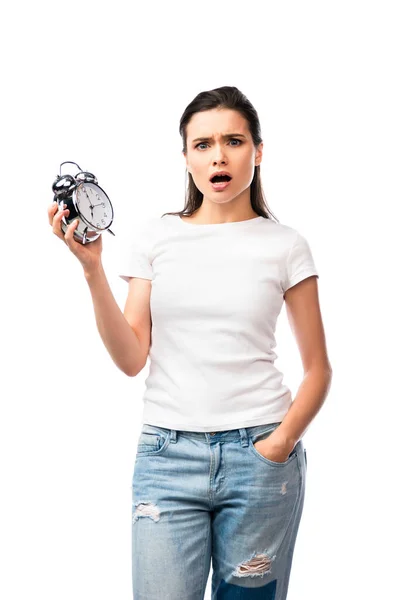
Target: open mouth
[(220, 182), (220, 178)]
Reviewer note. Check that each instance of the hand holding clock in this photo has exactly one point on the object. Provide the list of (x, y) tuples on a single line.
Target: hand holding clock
[(89, 255), (79, 222)]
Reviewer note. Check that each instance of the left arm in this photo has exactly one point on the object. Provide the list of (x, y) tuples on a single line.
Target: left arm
[(304, 315)]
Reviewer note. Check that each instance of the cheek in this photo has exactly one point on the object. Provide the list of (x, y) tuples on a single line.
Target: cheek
[(200, 171), (200, 165), (246, 172)]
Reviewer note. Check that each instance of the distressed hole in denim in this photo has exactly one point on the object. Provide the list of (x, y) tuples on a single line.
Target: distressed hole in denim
[(146, 509), (260, 564)]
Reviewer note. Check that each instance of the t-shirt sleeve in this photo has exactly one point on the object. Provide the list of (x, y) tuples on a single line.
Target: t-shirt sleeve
[(134, 253), (299, 263)]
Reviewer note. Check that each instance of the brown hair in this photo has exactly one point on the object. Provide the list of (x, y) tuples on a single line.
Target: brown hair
[(232, 98)]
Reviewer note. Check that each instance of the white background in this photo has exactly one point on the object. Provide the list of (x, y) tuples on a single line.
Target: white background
[(105, 86)]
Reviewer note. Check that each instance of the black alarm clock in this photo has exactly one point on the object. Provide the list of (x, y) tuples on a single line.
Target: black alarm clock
[(86, 201)]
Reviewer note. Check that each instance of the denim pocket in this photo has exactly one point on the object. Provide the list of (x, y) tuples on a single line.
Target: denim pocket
[(262, 435), (152, 440)]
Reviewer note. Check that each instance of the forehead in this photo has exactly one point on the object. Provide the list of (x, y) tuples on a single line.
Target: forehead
[(216, 122)]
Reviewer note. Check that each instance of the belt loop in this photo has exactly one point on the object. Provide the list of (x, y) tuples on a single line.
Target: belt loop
[(173, 436), (244, 437)]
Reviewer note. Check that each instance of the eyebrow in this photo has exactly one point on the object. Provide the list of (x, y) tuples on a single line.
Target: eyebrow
[(206, 139)]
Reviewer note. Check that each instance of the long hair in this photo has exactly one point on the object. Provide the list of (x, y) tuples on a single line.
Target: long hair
[(232, 98)]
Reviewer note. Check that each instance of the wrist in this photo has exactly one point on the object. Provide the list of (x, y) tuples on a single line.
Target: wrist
[(93, 271), (282, 439)]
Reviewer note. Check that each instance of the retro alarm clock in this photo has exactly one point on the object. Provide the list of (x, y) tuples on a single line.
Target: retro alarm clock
[(86, 201)]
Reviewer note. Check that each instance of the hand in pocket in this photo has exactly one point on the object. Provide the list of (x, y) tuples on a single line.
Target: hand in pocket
[(273, 450)]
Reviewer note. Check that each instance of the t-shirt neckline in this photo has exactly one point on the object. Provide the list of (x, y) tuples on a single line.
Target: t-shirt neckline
[(230, 224)]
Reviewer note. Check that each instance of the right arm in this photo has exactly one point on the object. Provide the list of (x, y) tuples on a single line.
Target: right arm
[(120, 331), (125, 335)]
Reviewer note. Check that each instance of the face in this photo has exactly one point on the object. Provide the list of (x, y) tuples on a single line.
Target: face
[(235, 154)]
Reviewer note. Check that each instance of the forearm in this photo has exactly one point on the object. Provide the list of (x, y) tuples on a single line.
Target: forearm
[(306, 404), (118, 336)]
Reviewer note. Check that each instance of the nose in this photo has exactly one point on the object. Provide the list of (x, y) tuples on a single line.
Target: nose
[(219, 155), (218, 161)]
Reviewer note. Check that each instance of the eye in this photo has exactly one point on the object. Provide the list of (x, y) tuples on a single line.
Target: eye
[(231, 140)]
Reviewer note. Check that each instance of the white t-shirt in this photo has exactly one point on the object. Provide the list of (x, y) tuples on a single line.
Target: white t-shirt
[(217, 291)]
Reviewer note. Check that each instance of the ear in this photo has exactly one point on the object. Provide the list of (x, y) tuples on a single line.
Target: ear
[(185, 157), (259, 152)]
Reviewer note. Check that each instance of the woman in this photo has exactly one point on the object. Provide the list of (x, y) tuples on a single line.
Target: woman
[(220, 466)]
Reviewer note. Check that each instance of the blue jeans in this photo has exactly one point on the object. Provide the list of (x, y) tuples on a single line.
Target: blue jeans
[(198, 497)]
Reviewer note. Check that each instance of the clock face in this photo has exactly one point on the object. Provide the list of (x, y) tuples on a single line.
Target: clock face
[(94, 205)]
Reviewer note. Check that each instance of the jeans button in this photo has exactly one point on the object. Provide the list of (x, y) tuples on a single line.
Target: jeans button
[(213, 433)]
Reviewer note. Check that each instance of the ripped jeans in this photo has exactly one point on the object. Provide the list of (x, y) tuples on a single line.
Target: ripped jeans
[(199, 497)]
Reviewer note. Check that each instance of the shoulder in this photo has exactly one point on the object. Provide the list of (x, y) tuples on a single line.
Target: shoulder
[(285, 230), (290, 236), (284, 236)]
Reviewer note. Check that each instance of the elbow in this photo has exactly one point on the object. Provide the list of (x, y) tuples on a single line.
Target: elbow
[(133, 373), (128, 372)]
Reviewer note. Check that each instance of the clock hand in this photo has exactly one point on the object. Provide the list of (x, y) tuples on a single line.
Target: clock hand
[(88, 198), (91, 206)]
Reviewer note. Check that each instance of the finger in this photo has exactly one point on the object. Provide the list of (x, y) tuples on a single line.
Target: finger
[(69, 234), (54, 208), (60, 214), (57, 229), (51, 211)]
